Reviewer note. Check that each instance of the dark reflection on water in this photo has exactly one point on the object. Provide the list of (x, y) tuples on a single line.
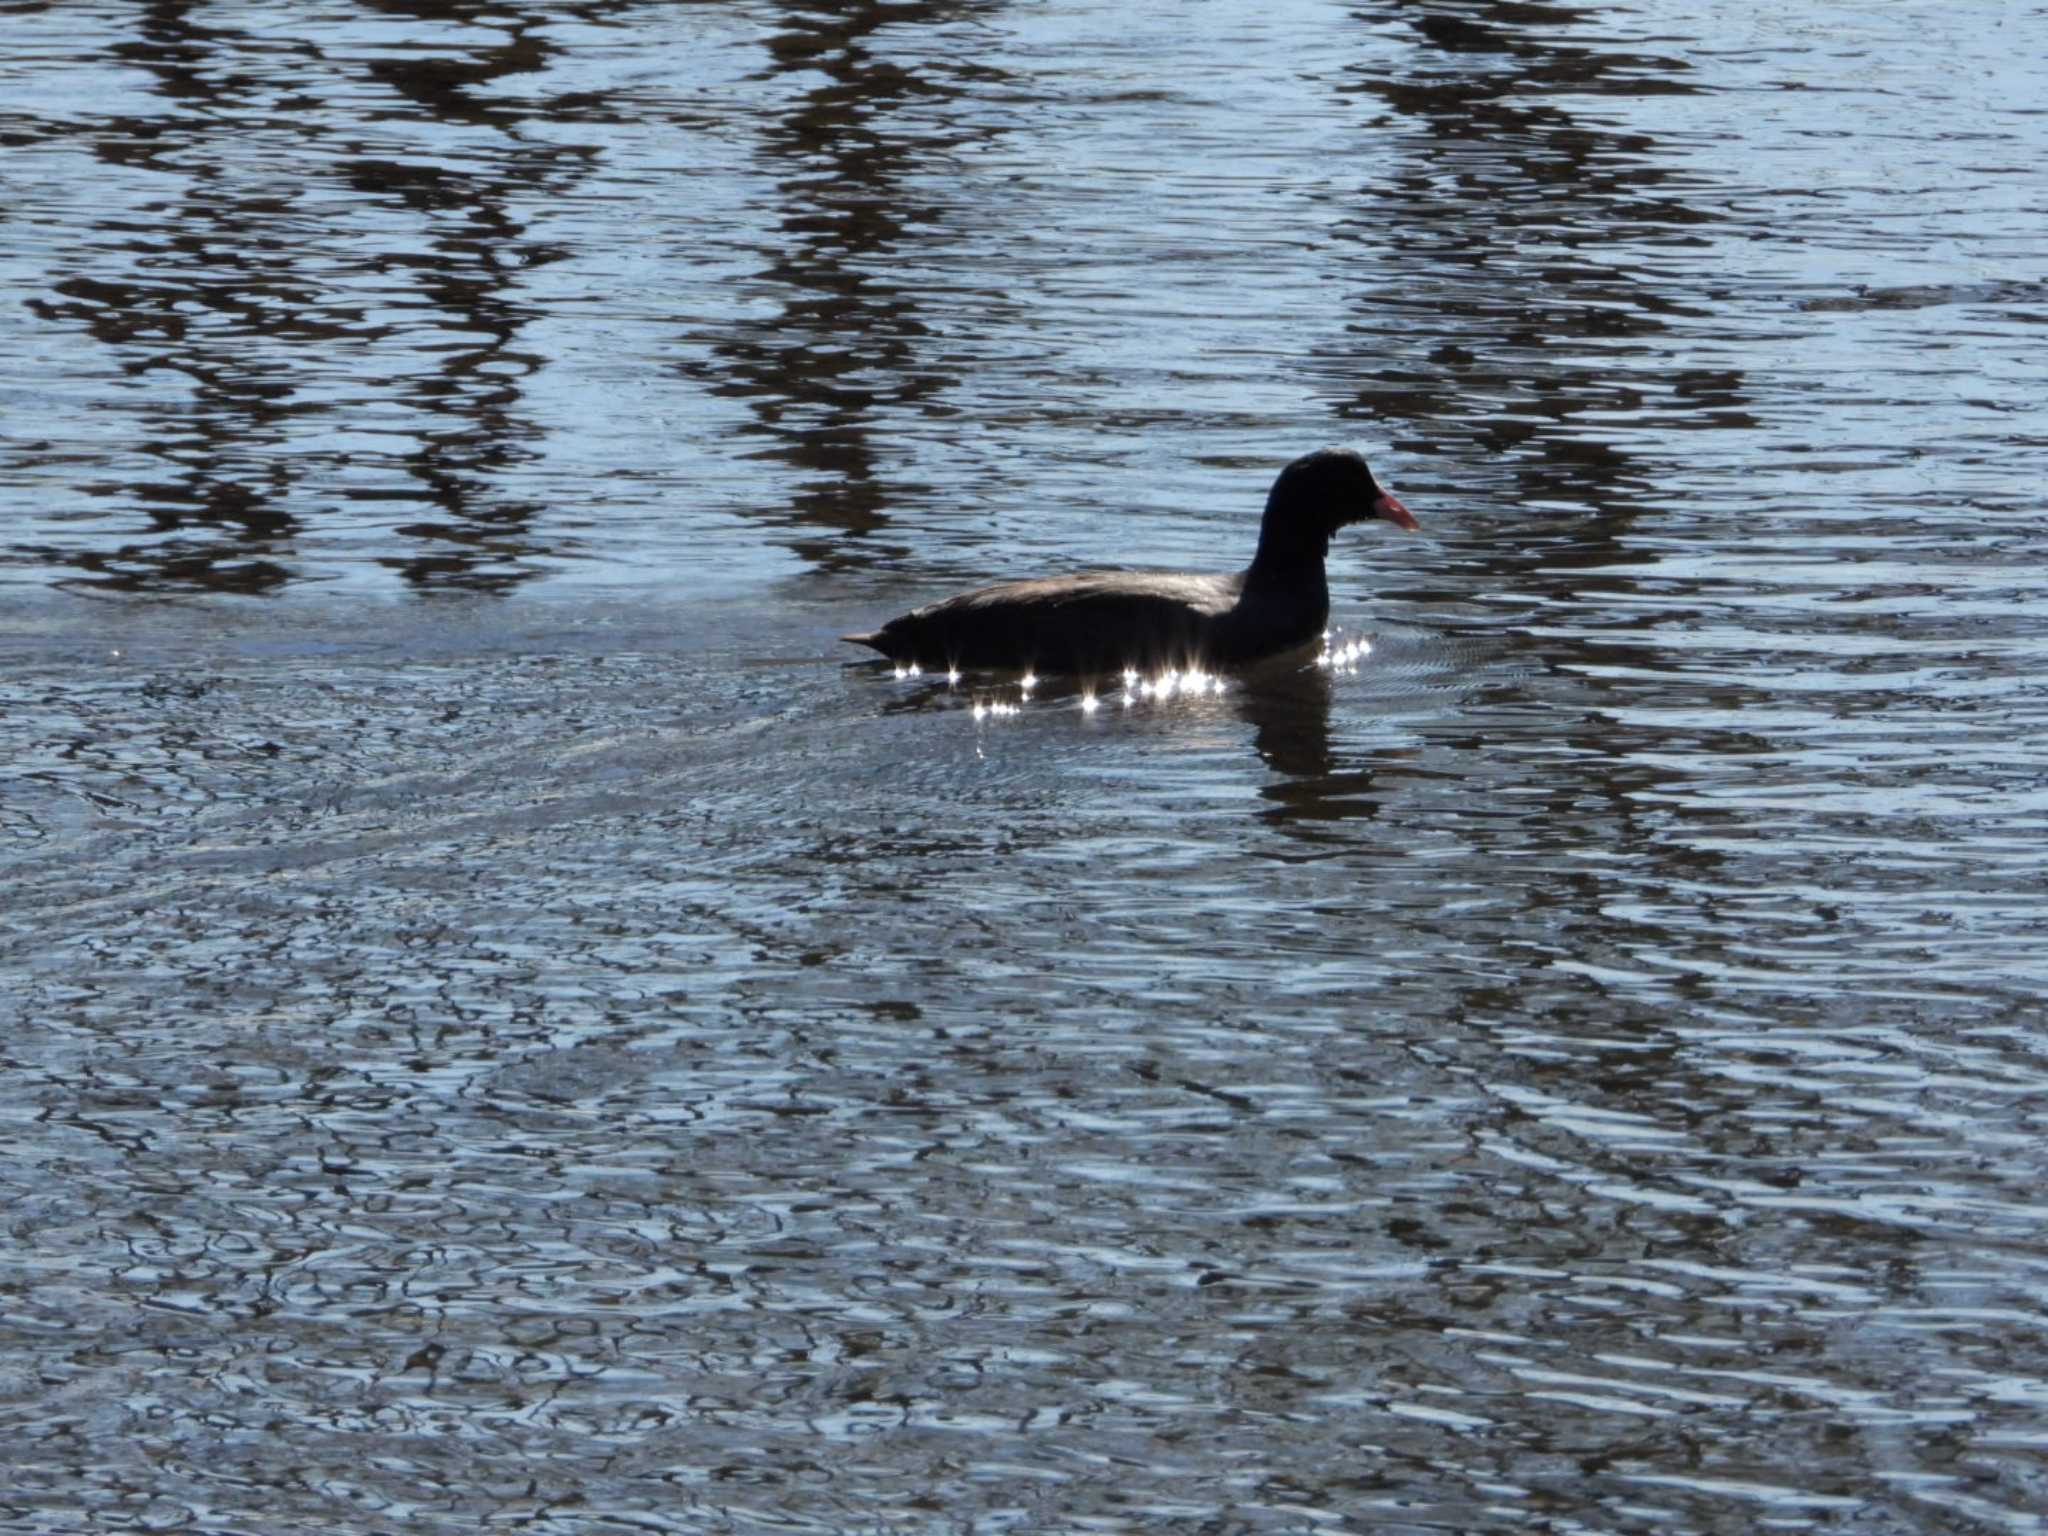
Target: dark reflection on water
[(1506, 246), (283, 351), (586, 1053), (845, 336)]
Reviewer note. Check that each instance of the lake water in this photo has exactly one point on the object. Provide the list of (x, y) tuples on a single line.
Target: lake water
[(507, 1024)]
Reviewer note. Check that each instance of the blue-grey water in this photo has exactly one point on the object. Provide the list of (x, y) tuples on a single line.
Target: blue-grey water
[(506, 1024)]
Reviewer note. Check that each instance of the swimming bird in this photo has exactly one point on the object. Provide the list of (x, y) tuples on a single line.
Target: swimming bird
[(1104, 622)]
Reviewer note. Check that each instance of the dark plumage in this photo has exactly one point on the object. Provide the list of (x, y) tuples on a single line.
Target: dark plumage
[(1105, 621)]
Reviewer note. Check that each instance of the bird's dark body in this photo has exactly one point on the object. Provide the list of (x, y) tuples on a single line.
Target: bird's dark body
[(1101, 622)]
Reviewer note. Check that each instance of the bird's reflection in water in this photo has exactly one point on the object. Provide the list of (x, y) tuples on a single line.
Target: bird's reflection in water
[(1287, 702), (1311, 780), (1286, 699)]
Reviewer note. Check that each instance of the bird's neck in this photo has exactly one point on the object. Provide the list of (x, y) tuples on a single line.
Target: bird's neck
[(1289, 560)]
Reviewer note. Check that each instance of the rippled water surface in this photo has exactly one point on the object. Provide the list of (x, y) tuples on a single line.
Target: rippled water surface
[(506, 1024)]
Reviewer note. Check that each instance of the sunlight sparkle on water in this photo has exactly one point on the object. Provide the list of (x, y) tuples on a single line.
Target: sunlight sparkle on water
[(1138, 689), (1192, 683), (1342, 655)]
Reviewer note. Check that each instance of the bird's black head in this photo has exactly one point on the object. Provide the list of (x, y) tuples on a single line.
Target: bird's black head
[(1329, 488)]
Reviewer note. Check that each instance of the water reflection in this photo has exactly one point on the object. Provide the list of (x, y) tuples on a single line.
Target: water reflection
[(476, 537), (848, 342), (197, 282), (1286, 703), (1506, 244), (282, 350)]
